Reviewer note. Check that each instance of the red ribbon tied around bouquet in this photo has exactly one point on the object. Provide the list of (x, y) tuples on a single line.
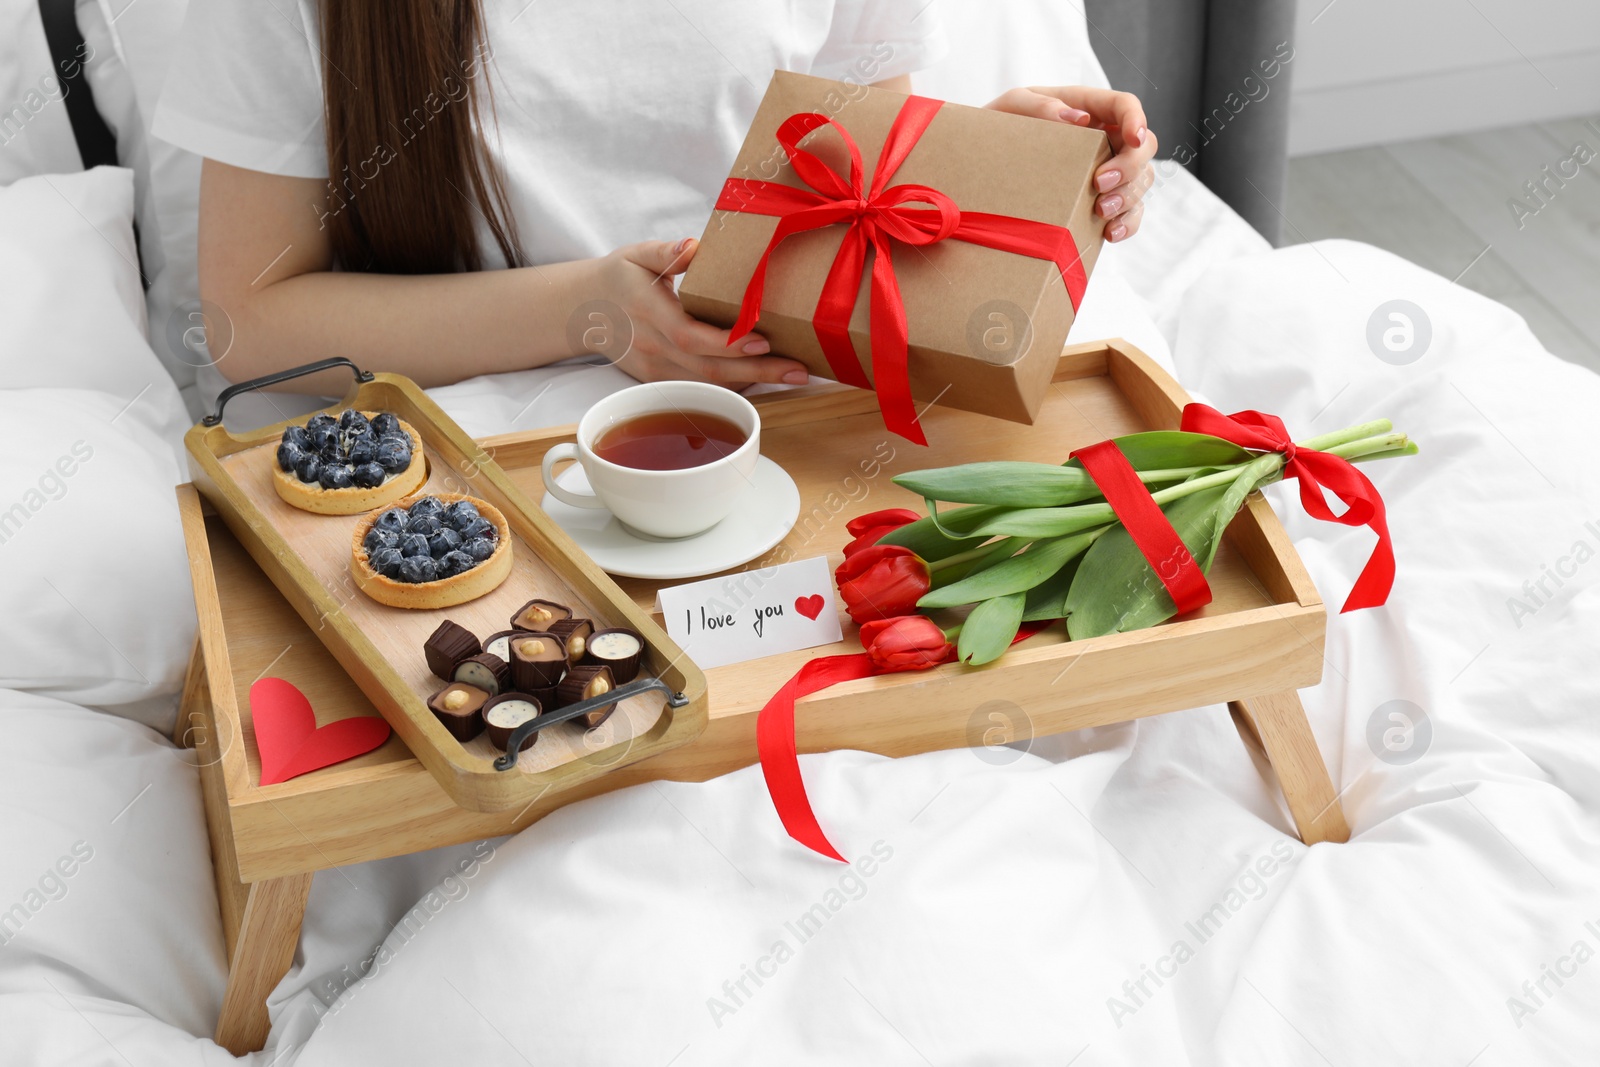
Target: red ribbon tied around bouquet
[(1316, 471), (875, 214)]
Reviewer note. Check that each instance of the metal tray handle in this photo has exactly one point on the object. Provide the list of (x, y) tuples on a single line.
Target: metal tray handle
[(675, 699), (275, 378)]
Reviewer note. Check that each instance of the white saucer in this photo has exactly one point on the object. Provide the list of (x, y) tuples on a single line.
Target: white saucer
[(763, 516)]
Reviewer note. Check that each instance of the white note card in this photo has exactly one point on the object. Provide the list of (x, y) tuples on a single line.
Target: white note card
[(754, 613)]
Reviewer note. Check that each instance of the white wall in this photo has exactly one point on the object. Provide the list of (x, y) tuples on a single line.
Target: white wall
[(1374, 71)]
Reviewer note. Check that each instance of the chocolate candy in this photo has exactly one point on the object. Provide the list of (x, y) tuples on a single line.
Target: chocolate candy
[(574, 634), (447, 646), (485, 671), (620, 649), (499, 644), (548, 698), (538, 660), (505, 713), (458, 707), (537, 615), (581, 683)]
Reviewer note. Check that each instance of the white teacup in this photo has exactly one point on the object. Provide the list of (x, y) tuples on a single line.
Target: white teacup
[(661, 503)]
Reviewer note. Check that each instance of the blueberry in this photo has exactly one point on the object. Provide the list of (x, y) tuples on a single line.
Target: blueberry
[(319, 420), (352, 421), (392, 456), (369, 475), (454, 563), (480, 527), (289, 455), (378, 537), (337, 476), (385, 424), (362, 450), (309, 468), (428, 505), (479, 548), (325, 439), (393, 519), (445, 541), (457, 515), (426, 525), (417, 569), (414, 545), (297, 436), (386, 561)]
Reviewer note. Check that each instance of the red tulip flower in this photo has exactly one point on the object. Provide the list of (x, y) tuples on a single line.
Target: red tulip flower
[(909, 643), (866, 529), (882, 581)]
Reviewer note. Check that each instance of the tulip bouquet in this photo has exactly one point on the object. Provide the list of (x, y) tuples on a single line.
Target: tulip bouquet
[(1026, 544)]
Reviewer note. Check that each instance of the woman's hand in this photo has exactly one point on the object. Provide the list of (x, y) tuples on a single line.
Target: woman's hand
[(1122, 181), (667, 343)]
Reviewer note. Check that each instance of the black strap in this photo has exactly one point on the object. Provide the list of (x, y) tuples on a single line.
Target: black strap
[(96, 143)]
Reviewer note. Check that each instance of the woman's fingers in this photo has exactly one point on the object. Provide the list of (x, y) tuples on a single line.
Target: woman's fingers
[(703, 352), (1039, 105), (1107, 108), (1125, 225), (1125, 196), (661, 258)]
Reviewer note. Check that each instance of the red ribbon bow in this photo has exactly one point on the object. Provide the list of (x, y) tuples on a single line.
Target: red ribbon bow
[(1316, 471), (875, 214)]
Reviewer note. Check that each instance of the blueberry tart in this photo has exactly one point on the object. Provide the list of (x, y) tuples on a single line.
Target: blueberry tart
[(348, 463), (432, 551)]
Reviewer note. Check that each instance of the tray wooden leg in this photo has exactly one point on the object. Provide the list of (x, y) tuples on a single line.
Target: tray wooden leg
[(1278, 722), (268, 934)]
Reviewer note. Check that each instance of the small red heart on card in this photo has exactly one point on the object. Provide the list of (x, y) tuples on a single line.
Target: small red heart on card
[(289, 739), (810, 606)]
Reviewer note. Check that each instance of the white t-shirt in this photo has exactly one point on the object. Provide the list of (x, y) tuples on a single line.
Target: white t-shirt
[(617, 119)]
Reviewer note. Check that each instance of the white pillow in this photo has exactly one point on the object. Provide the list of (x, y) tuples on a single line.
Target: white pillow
[(97, 602), (35, 133), (98, 608), (107, 906), (72, 312)]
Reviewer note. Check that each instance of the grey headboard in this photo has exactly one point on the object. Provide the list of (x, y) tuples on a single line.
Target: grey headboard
[(1214, 78)]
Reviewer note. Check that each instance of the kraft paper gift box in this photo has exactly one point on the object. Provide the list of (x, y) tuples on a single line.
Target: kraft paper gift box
[(983, 326)]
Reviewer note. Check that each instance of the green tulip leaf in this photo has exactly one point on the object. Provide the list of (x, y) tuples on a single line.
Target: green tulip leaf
[(1041, 485), (923, 536), (1169, 449), (1015, 484), (1047, 601), (990, 629), (1039, 523), (1016, 574)]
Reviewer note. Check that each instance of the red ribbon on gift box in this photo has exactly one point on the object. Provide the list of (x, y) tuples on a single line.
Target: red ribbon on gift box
[(875, 215), (1155, 537)]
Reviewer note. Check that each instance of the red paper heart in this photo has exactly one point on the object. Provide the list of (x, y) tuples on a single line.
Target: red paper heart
[(289, 739), (809, 606)]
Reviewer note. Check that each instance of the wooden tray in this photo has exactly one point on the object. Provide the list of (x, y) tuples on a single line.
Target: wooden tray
[(308, 558), (1260, 638)]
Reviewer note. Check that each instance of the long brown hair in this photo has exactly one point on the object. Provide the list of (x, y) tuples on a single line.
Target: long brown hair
[(407, 174)]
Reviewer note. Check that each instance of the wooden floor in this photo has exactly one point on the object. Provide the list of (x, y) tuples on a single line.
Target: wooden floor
[(1446, 203)]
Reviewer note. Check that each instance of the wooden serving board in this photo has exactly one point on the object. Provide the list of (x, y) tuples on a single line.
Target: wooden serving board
[(309, 557)]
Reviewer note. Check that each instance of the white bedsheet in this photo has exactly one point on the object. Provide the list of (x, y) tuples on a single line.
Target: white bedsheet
[(1015, 912)]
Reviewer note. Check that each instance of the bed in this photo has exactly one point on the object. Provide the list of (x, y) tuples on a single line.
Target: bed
[(1129, 894)]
